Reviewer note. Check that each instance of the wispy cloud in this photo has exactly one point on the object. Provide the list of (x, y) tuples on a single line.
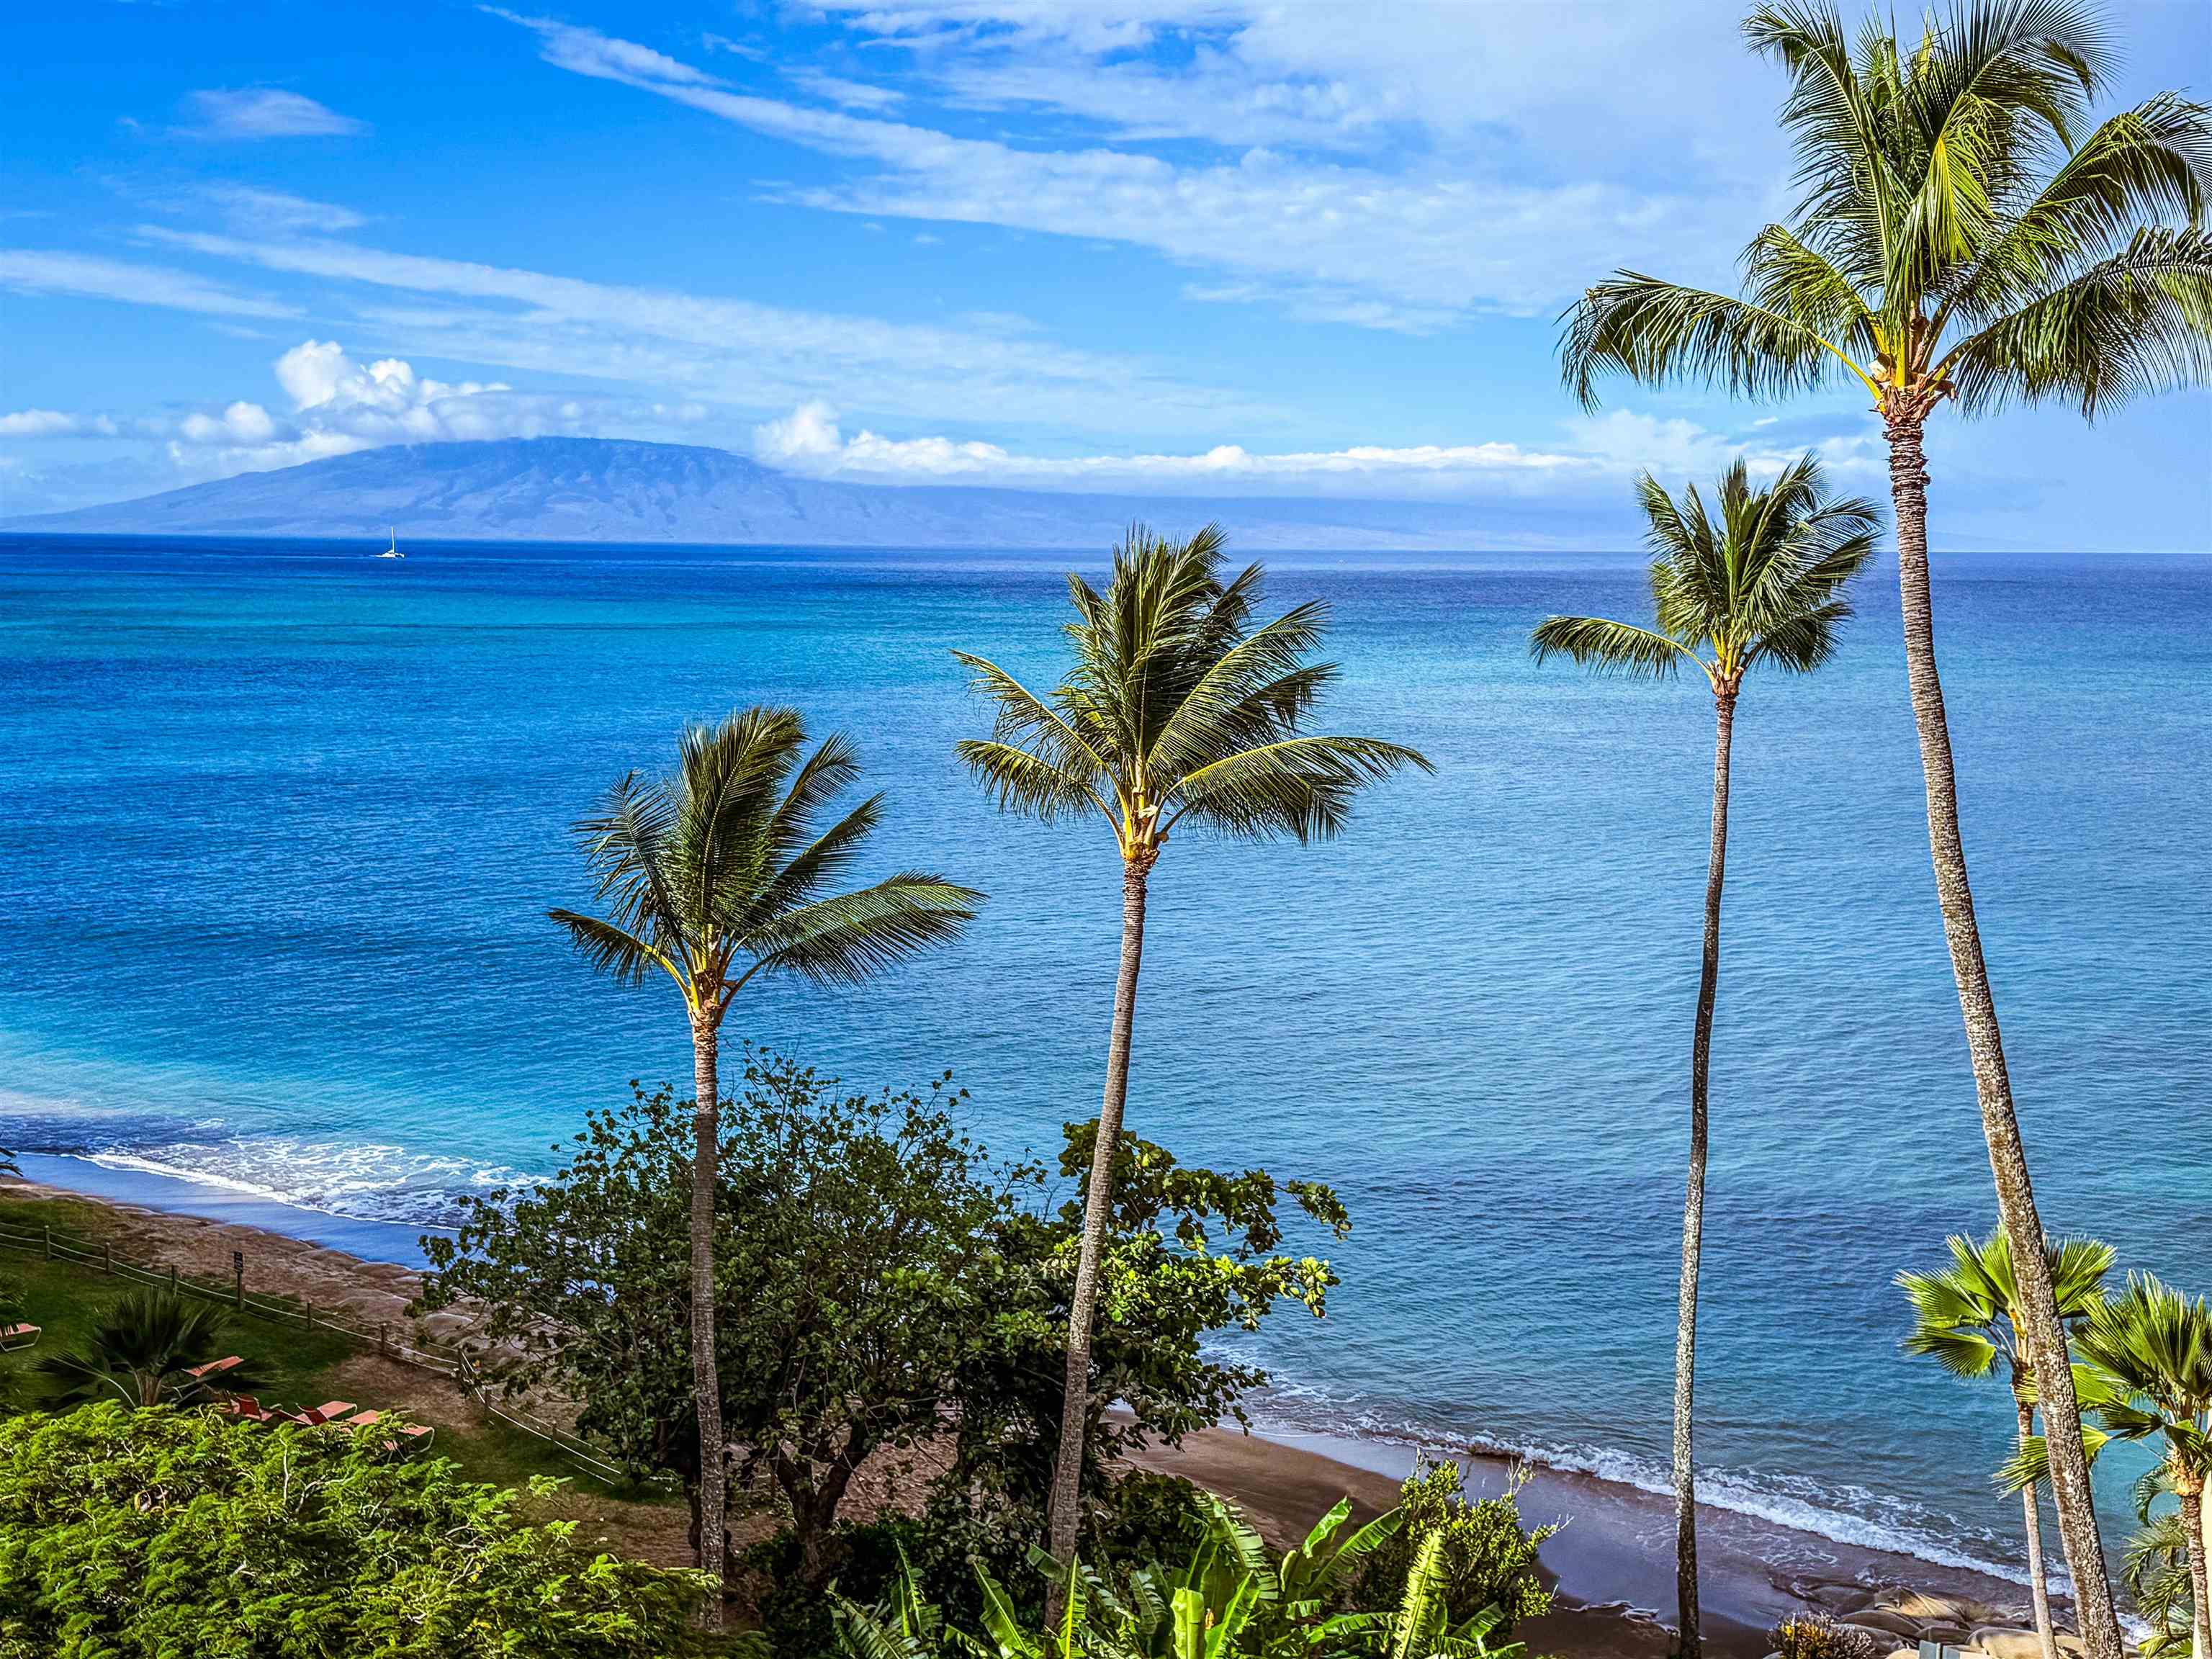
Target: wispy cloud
[(53, 424), (1412, 245), (34, 270), (726, 350), (265, 112), (275, 212)]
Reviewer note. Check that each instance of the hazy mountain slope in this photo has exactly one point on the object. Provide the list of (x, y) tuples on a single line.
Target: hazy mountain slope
[(592, 489)]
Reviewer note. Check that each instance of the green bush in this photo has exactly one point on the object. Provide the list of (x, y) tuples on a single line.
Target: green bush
[(1488, 1557), (129, 1535)]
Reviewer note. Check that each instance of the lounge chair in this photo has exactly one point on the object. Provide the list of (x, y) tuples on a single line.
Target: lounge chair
[(13, 1337), (213, 1368), (245, 1405), (328, 1412)]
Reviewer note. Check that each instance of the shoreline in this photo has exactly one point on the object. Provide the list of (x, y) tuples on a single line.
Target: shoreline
[(1612, 1564)]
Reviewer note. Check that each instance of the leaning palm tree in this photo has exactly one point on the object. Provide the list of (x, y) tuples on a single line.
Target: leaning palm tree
[(1761, 583), (1966, 1318), (1175, 708), (142, 1350), (1959, 239), (715, 876)]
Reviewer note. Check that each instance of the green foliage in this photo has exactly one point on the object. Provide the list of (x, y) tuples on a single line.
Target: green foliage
[(140, 1351), (1962, 1314), (1176, 707), (1762, 582), (852, 1232), (1228, 1597), (1487, 1557), (1958, 234), (141, 1535), (1188, 1253), (2155, 1566), (1818, 1636)]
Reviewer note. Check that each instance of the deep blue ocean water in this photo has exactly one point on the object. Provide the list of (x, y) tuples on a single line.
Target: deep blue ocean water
[(279, 821)]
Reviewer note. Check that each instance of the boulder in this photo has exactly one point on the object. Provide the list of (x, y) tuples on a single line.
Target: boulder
[(1892, 1619), (2010, 1642)]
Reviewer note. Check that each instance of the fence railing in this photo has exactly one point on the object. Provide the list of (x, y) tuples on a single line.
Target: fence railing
[(448, 1359)]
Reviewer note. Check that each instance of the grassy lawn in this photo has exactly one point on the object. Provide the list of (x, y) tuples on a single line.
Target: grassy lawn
[(287, 1361)]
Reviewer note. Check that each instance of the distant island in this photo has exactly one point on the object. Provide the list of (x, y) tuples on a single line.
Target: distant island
[(604, 490)]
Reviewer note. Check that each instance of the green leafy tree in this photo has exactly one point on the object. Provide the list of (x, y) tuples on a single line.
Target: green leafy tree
[(144, 1533), (1966, 1318), (1175, 708), (849, 1235), (1757, 583), (1489, 1557), (1188, 1253), (1962, 236), (717, 875), (141, 1351)]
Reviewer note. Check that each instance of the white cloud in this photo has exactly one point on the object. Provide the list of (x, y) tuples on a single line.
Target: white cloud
[(1427, 234), (725, 350), (33, 270), (275, 212), (266, 112), (1600, 451), (853, 95), (52, 423)]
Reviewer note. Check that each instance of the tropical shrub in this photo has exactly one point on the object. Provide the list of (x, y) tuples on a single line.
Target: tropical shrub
[(1487, 1556), (1817, 1636), (137, 1534), (141, 1351)]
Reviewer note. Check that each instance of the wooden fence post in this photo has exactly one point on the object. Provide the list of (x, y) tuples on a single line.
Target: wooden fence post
[(49, 1232), (311, 1313), (383, 1342), (107, 1257), (172, 1279), (238, 1279)]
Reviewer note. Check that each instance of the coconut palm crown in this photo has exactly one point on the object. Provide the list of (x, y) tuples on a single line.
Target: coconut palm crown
[(1963, 1314), (1756, 579), (1176, 707), (717, 873), (1958, 234)]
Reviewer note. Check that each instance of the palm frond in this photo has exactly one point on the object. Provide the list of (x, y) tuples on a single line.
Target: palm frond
[(1609, 647), (616, 952), (850, 937), (1657, 333), (1300, 787)]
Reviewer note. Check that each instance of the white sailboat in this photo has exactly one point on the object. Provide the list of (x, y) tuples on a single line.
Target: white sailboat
[(392, 551)]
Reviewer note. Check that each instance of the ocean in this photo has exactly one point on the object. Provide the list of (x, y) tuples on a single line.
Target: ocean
[(279, 823)]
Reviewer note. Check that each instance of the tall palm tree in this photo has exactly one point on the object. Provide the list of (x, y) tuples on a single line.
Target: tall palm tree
[(1175, 708), (141, 1349), (1959, 239), (1761, 583), (716, 875), (1966, 1318), (2152, 1346)]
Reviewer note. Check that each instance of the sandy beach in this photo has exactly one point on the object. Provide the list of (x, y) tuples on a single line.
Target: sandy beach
[(1612, 1562)]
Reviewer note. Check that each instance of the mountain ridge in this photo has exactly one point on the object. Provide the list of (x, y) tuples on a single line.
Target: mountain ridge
[(626, 491)]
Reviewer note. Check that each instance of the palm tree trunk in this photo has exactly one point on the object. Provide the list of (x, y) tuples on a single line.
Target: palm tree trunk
[(2070, 1493), (1694, 1197), (1075, 1410), (706, 1377), (2038, 1587), (2192, 1499)]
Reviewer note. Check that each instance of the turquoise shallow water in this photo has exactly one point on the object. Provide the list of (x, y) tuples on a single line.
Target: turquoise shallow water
[(278, 823)]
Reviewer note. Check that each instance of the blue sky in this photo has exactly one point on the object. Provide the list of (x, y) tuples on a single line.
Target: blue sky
[(1279, 246)]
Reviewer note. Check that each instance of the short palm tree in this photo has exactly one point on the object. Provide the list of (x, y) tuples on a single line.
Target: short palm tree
[(1760, 583), (1966, 1318), (1175, 708), (1959, 239), (141, 1349), (2155, 1568), (2152, 1348), (716, 875)]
